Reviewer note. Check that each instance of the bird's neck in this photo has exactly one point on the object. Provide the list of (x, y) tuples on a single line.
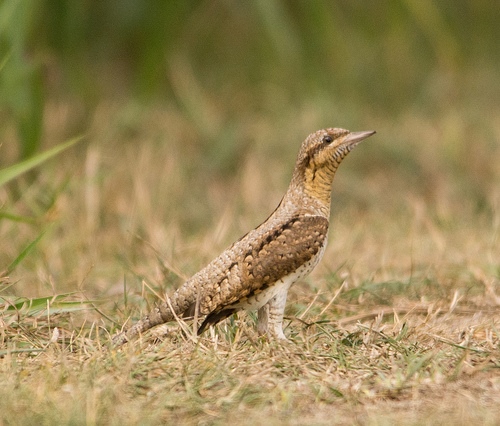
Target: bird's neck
[(312, 189)]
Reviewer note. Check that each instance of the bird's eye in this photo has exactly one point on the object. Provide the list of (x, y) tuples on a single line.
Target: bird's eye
[(327, 139)]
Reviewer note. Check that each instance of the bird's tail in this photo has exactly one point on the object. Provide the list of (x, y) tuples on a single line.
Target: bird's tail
[(182, 304), (159, 315)]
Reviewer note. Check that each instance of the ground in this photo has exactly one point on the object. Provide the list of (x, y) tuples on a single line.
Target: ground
[(399, 324)]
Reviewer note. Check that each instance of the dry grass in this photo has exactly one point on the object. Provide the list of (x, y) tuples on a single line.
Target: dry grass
[(400, 323)]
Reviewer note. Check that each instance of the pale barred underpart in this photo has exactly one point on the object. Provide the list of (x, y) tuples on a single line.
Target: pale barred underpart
[(257, 270)]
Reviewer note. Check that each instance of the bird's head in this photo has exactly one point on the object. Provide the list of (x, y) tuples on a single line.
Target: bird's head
[(328, 147), (319, 157)]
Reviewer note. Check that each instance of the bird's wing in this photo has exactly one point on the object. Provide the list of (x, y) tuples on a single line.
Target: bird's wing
[(274, 255)]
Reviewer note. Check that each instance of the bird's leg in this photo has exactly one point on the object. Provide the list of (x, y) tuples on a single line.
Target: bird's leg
[(263, 319), (270, 316)]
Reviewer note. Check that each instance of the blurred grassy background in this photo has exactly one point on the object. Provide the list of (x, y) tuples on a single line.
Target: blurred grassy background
[(217, 61), (194, 112)]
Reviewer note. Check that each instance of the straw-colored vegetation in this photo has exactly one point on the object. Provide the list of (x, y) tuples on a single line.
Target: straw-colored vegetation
[(400, 322)]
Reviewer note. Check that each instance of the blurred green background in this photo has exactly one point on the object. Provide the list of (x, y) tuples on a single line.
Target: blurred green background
[(261, 56)]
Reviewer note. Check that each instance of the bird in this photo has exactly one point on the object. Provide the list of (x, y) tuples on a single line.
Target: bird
[(256, 271)]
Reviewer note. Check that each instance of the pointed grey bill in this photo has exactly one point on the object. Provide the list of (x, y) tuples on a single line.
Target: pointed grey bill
[(352, 139)]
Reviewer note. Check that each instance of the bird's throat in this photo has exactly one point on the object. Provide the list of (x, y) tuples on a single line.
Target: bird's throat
[(318, 183)]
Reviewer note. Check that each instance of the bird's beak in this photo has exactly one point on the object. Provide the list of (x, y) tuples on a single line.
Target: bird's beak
[(352, 139)]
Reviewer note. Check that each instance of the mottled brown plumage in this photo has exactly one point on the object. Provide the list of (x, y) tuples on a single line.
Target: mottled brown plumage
[(258, 269)]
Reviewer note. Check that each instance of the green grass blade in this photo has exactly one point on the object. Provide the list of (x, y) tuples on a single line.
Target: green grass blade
[(55, 304), (15, 170), (5, 60), (23, 254), (17, 218)]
